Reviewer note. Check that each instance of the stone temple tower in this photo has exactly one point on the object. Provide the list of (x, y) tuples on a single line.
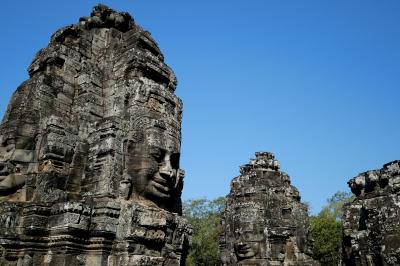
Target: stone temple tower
[(371, 222), (264, 223), (89, 152)]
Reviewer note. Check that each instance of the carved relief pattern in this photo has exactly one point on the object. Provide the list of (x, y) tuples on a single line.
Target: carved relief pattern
[(264, 222), (371, 221), (89, 152)]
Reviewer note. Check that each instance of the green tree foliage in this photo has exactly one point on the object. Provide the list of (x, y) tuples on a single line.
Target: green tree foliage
[(327, 234), (326, 230), (336, 202), (204, 216)]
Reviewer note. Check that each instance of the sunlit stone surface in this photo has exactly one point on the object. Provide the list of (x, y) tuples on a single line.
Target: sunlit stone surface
[(264, 222), (89, 152), (372, 220)]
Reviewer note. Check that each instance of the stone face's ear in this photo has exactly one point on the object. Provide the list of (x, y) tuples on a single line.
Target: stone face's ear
[(125, 188), (5, 154), (180, 175)]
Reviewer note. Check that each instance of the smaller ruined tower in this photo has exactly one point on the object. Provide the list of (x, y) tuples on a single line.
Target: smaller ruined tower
[(371, 221), (264, 222)]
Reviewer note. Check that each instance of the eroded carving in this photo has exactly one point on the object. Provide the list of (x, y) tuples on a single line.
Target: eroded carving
[(17, 146), (264, 222), (89, 152), (151, 164), (371, 221)]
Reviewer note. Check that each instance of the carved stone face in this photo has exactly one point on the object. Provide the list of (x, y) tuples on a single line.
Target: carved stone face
[(247, 245), (14, 162), (153, 170)]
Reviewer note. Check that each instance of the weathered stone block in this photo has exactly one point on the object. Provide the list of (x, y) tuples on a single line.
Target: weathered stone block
[(89, 170), (371, 221), (264, 222)]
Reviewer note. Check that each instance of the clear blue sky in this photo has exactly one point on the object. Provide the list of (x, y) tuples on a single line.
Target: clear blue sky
[(316, 82)]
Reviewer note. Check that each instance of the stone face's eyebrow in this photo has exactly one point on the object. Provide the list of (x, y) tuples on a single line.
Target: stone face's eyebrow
[(20, 155)]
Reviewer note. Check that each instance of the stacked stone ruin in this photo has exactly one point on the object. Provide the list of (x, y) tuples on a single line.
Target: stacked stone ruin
[(89, 152), (89, 168), (264, 222), (372, 220)]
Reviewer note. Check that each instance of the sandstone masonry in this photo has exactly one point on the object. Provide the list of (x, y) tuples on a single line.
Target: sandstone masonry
[(89, 152), (264, 222), (371, 221)]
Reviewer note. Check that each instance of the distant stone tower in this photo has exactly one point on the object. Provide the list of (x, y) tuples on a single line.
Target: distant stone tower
[(372, 220), (89, 152), (264, 222)]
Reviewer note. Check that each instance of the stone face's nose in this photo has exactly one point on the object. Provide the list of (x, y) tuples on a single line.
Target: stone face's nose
[(166, 168)]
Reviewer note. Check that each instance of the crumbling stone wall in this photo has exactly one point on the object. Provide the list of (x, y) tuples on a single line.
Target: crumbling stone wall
[(264, 222), (372, 220), (89, 152)]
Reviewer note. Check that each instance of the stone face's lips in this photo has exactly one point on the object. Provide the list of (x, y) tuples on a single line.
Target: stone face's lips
[(244, 248), (4, 169), (162, 186), (160, 181), (11, 182), (4, 172)]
